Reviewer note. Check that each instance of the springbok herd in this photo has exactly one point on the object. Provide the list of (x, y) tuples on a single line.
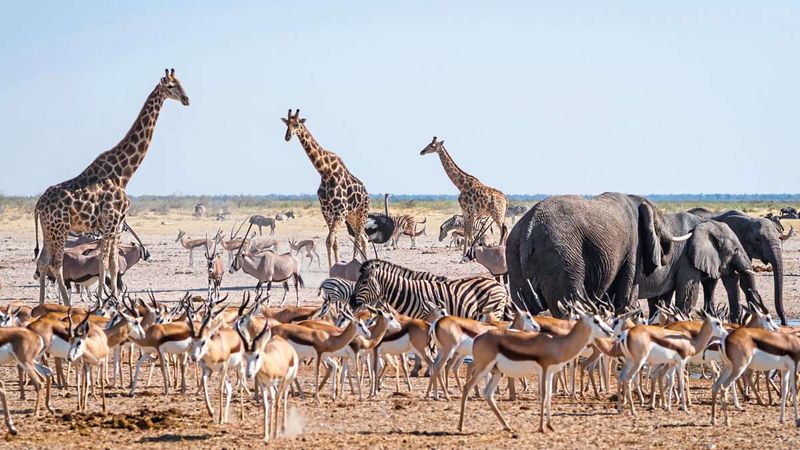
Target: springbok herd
[(374, 316)]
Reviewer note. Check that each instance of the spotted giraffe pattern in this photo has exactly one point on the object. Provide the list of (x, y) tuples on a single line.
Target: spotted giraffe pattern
[(95, 200), (475, 198), (342, 196)]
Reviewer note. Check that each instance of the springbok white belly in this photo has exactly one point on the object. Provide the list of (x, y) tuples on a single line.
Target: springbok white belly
[(58, 347), (767, 361), (465, 346), (662, 355), (395, 347), (517, 369), (176, 347), (304, 351)]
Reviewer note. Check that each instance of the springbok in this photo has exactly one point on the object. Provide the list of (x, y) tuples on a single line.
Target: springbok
[(191, 244), (520, 353), (307, 246), (274, 363)]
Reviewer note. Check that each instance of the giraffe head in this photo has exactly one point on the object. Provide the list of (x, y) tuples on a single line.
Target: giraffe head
[(293, 123), (172, 87), (434, 147)]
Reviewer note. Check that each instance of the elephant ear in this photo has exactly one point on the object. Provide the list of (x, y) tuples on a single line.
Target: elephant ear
[(704, 254), (649, 239)]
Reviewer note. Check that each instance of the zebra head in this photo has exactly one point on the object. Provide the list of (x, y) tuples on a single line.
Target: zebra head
[(367, 290)]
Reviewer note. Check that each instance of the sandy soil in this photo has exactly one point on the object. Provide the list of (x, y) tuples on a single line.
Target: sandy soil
[(394, 420)]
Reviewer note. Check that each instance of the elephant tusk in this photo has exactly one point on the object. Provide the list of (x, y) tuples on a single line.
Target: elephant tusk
[(681, 238), (750, 272)]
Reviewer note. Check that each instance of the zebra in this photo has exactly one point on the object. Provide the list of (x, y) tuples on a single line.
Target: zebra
[(336, 290), (415, 297), (406, 224), (456, 225)]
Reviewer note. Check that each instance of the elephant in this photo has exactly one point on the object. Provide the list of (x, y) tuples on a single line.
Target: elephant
[(569, 246), (712, 252), (761, 240)]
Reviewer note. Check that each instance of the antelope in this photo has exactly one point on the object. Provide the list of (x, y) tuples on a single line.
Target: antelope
[(274, 363), (191, 244), (234, 243), (492, 258), (349, 271), (317, 344), (118, 331), (519, 353), (657, 345), (268, 267), (215, 269), (164, 339), (384, 322), (454, 338), (23, 347), (307, 246), (757, 349), (81, 267), (215, 349), (263, 244), (88, 344), (262, 221), (412, 337)]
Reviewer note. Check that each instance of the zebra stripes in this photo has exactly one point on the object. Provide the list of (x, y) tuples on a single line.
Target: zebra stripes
[(416, 293), (336, 290), (406, 224)]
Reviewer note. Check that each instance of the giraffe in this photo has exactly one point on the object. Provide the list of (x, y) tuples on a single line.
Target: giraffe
[(342, 196), (96, 200), (476, 199)]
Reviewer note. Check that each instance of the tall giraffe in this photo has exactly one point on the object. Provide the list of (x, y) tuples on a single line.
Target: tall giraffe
[(96, 200), (342, 196), (476, 199)]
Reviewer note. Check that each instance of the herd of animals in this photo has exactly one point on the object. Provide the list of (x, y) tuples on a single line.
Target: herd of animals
[(587, 261)]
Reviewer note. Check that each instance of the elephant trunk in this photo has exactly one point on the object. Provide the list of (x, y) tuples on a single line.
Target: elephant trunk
[(775, 257)]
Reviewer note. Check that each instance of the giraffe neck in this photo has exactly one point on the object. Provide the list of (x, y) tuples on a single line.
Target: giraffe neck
[(121, 162), (314, 151), (457, 176)]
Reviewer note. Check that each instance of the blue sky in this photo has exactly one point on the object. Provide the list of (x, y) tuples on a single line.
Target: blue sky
[(531, 97)]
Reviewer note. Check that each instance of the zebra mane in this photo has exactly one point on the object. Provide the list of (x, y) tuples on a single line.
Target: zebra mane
[(379, 264)]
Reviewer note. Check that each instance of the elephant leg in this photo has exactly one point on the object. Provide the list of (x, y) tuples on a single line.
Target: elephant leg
[(686, 286), (731, 283), (622, 289), (709, 285)]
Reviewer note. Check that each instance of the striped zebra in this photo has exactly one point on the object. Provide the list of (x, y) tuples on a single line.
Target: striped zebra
[(406, 225), (415, 297), (456, 225), (336, 290)]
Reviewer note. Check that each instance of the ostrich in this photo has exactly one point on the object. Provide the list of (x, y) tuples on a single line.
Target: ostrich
[(379, 227)]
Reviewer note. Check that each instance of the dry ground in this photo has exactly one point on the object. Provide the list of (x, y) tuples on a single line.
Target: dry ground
[(392, 421)]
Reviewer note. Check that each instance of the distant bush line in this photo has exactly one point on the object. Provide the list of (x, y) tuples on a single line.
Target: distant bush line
[(163, 204)]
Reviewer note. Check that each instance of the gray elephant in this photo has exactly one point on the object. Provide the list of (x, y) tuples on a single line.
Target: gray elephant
[(569, 246), (761, 240), (713, 252)]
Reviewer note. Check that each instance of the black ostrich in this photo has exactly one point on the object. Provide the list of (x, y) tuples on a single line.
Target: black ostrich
[(379, 227)]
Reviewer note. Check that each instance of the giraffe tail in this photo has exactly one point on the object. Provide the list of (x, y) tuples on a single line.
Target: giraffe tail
[(36, 224)]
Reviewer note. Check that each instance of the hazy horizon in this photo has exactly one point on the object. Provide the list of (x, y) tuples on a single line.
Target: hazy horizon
[(574, 97)]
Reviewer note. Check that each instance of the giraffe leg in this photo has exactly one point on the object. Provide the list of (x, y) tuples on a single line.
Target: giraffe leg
[(113, 260), (102, 250), (56, 269), (43, 265), (469, 224), (331, 243)]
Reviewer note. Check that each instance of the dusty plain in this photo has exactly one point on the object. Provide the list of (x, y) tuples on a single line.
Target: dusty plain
[(403, 420)]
